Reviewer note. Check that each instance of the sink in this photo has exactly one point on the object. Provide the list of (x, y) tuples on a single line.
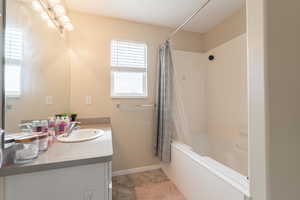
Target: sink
[(81, 135)]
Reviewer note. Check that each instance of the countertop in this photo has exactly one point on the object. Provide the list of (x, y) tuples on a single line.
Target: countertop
[(61, 155)]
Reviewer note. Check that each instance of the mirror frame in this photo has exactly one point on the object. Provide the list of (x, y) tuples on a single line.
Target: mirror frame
[(2, 64)]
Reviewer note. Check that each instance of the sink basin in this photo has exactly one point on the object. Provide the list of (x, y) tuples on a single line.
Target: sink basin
[(81, 135)]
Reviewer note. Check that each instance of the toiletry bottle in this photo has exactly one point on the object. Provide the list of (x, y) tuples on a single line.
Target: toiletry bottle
[(62, 125), (67, 123), (51, 130), (36, 126), (57, 124), (44, 125)]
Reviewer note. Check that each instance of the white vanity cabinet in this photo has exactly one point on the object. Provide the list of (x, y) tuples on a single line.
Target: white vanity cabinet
[(67, 171), (84, 182)]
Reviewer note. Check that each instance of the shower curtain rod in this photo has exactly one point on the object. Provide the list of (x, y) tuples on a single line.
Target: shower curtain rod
[(187, 20)]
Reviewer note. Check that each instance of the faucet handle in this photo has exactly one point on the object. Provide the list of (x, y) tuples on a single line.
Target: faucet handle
[(75, 122), (25, 126)]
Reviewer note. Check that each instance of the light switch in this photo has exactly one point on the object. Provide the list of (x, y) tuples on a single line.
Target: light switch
[(8, 107), (88, 100), (49, 100)]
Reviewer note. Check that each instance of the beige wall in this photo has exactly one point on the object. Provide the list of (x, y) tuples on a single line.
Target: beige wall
[(90, 76), (230, 28), (226, 95), (45, 68)]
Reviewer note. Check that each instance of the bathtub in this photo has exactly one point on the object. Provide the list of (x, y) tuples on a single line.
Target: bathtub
[(202, 178)]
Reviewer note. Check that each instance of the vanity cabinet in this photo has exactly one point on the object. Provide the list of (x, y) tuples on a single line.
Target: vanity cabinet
[(67, 171), (85, 182)]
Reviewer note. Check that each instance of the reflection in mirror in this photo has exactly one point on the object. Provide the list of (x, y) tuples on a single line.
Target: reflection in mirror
[(37, 74)]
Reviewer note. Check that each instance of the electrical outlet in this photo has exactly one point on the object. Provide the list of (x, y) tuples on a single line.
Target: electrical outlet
[(8, 107), (88, 195), (49, 100), (88, 100)]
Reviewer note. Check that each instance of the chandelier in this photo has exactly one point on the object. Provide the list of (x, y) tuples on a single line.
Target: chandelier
[(54, 14)]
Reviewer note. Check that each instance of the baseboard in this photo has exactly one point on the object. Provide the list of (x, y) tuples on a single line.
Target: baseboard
[(136, 170)]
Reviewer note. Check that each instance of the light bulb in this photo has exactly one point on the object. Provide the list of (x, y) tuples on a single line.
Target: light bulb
[(45, 16), (69, 26), (59, 10), (37, 6), (53, 2), (64, 19), (51, 24)]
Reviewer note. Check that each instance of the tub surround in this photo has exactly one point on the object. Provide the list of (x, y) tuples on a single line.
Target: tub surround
[(199, 177), (202, 122), (62, 155)]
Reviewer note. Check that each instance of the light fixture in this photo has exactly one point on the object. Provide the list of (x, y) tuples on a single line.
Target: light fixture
[(64, 19), (45, 16), (37, 6), (59, 10), (50, 24), (69, 26), (54, 14), (54, 2)]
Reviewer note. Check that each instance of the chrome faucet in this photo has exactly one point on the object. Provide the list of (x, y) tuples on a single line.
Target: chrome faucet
[(26, 127), (73, 126)]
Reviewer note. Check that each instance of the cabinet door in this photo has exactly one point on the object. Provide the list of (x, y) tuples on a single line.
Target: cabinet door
[(75, 183), (109, 181)]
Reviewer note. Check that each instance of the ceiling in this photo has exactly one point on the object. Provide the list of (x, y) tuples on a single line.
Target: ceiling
[(170, 13)]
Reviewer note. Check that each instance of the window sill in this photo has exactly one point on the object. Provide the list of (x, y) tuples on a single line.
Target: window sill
[(129, 97), (12, 96)]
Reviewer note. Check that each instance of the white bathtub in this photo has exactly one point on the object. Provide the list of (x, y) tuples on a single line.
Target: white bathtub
[(202, 178)]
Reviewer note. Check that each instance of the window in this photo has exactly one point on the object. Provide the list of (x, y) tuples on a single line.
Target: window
[(128, 69), (13, 61)]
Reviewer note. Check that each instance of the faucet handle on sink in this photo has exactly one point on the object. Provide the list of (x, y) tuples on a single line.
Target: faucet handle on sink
[(26, 127)]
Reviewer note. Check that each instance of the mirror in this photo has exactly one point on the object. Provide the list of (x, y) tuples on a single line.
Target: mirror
[(37, 78)]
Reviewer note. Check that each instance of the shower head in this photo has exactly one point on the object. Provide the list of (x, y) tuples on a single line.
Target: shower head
[(211, 57)]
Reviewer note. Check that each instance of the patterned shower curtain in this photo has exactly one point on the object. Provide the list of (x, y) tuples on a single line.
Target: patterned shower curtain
[(164, 122)]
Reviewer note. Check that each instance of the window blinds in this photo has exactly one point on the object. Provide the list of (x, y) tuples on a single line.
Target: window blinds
[(13, 46), (128, 54)]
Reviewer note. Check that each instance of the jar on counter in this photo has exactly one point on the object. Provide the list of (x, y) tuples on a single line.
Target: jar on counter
[(44, 124), (9, 150), (51, 131), (43, 142), (27, 149)]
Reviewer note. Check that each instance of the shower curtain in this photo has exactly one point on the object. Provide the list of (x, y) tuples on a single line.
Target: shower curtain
[(164, 122)]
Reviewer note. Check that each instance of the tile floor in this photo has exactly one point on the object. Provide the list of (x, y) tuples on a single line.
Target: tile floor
[(150, 185)]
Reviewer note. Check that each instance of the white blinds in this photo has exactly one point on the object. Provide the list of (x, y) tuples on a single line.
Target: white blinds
[(128, 54), (13, 46), (13, 61)]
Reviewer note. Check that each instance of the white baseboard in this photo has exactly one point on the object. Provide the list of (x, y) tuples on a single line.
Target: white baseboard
[(136, 170)]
